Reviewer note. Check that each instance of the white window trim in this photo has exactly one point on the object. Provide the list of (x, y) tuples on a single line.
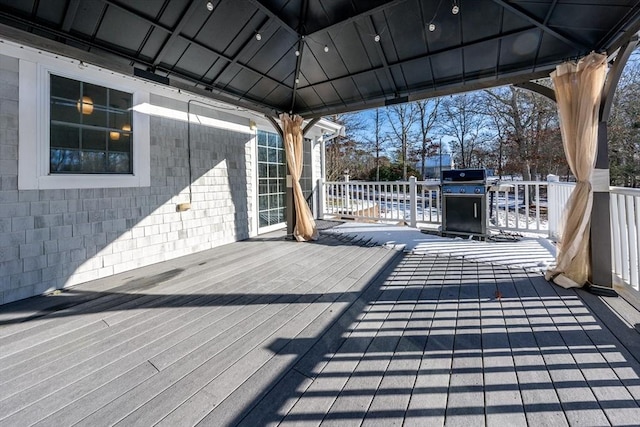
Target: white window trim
[(272, 227), (33, 128)]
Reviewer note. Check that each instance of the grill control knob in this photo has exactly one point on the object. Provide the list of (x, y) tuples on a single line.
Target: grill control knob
[(463, 190), (477, 191), (447, 190)]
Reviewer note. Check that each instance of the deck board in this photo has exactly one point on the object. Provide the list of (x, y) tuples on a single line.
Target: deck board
[(345, 333)]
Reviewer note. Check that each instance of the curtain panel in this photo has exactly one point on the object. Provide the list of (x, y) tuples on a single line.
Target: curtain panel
[(578, 88), (305, 228)]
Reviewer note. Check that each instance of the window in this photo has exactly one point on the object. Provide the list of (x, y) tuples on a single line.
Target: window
[(272, 179), (90, 128), (80, 127)]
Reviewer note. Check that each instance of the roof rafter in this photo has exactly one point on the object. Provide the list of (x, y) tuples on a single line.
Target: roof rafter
[(175, 32), (522, 14), (507, 78), (70, 15), (383, 57), (356, 17), (296, 76), (425, 56), (264, 9), (193, 41)]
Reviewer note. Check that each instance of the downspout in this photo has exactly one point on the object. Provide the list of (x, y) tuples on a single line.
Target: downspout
[(186, 206), (181, 207)]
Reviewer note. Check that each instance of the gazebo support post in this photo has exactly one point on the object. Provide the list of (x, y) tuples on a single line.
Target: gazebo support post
[(601, 244)]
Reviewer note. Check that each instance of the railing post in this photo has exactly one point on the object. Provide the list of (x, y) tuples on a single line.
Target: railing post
[(553, 202), (413, 202), (347, 193), (322, 198)]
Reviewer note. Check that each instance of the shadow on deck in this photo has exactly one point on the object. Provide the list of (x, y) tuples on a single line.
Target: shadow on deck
[(339, 332)]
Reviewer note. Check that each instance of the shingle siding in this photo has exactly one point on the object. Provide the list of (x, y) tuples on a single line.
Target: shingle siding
[(50, 239)]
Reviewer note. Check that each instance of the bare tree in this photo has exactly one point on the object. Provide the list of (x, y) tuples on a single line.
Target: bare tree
[(461, 119), (427, 117), (624, 127), (528, 127), (402, 118), (348, 154), (377, 141)]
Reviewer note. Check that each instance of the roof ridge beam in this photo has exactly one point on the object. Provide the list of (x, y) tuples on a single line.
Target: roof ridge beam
[(264, 9)]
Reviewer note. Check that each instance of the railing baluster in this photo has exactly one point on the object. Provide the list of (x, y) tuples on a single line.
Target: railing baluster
[(636, 283), (615, 234), (632, 231), (538, 203)]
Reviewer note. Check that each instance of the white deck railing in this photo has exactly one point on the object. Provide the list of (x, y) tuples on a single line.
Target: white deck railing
[(514, 205), (625, 234), (521, 206), (559, 193)]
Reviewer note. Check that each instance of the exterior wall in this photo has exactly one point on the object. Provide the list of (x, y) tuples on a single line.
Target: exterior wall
[(50, 239)]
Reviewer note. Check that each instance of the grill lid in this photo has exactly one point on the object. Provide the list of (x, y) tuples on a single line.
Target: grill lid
[(464, 175)]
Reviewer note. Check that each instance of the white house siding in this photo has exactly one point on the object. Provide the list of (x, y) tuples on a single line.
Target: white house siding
[(50, 239)]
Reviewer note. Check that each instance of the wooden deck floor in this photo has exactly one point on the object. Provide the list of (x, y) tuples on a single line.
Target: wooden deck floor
[(272, 332)]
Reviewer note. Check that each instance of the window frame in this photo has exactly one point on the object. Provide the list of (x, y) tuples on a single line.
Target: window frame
[(34, 128), (83, 130), (282, 179)]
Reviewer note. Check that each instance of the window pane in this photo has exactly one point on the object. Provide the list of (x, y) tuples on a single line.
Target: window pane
[(263, 202), (279, 216), (97, 93), (64, 88), (98, 117), (119, 163), (65, 94), (119, 100), (262, 138), (120, 145), (273, 201), (263, 186), (262, 154), (94, 139), (64, 137), (273, 156), (64, 160), (120, 120), (93, 162)]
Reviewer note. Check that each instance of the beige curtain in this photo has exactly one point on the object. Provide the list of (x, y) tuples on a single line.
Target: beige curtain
[(578, 89), (305, 228)]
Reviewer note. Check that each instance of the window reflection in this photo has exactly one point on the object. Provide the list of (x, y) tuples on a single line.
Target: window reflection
[(90, 128)]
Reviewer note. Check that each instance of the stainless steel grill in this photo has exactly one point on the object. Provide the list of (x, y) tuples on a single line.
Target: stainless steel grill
[(464, 202)]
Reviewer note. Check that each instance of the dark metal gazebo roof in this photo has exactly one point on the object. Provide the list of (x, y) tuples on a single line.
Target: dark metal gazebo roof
[(353, 54)]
